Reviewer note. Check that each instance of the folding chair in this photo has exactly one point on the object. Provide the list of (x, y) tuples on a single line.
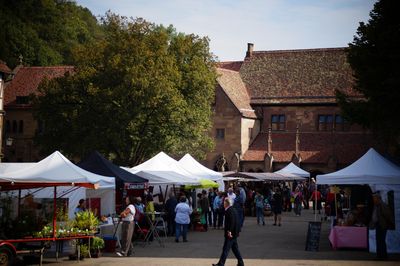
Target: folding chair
[(140, 233)]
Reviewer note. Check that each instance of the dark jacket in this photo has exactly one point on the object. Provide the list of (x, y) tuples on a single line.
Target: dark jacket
[(382, 216), (170, 206), (231, 222), (204, 204)]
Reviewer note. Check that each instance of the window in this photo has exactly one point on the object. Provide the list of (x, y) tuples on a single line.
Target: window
[(325, 122), (278, 122), (220, 134), (40, 128), (8, 126), (341, 124), (21, 126), (22, 100), (15, 127), (330, 122)]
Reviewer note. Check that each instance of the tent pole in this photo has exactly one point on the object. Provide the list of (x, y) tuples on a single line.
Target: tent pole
[(19, 203), (166, 191), (336, 209), (173, 186), (315, 202), (54, 211), (159, 186)]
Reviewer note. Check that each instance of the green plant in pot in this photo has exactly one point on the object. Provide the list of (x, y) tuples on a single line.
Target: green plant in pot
[(96, 245), (86, 222)]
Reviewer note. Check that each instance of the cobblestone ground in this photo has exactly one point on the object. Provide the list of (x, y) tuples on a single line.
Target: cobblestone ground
[(259, 245)]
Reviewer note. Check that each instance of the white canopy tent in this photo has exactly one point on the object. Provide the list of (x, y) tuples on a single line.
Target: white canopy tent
[(57, 169), (264, 176), (162, 167), (292, 169), (381, 175), (195, 168)]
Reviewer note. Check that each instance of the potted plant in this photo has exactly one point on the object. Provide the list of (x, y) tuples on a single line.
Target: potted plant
[(86, 222), (96, 245)]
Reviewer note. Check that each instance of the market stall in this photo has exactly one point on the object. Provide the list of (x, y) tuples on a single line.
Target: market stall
[(381, 175), (163, 172), (126, 183), (292, 169), (53, 171), (192, 166), (104, 196)]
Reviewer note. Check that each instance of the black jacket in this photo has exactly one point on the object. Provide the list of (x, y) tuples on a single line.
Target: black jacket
[(232, 222)]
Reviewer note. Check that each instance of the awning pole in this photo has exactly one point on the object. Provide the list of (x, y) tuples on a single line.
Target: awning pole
[(54, 211), (166, 191), (315, 202), (19, 203)]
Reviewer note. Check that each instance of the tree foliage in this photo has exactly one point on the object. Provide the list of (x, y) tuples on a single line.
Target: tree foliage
[(44, 32), (141, 89), (374, 57)]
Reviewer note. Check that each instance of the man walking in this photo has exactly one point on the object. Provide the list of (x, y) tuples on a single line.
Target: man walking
[(231, 232)]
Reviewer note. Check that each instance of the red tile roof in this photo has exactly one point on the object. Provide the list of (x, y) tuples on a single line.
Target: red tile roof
[(230, 65), (236, 90), (315, 147), (297, 76), (4, 68), (27, 80)]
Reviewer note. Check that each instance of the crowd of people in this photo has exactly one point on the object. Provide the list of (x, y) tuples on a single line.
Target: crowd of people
[(207, 210)]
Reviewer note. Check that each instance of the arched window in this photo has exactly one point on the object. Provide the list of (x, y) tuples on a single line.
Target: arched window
[(8, 126), (21, 126), (15, 126)]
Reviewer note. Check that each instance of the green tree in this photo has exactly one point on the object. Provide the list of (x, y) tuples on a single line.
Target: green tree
[(374, 56), (142, 89), (44, 32)]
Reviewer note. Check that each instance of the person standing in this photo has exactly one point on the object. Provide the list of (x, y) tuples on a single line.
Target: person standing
[(218, 207), (298, 199), (212, 213), (170, 208), (277, 206), (182, 219), (205, 208), (128, 226), (231, 194), (238, 204), (231, 233), (382, 220), (80, 207), (316, 197), (259, 202)]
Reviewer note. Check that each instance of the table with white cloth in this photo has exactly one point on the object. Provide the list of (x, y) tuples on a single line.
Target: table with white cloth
[(349, 237)]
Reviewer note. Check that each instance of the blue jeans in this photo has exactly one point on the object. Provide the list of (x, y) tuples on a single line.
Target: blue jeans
[(297, 208), (228, 244), (260, 215), (181, 229)]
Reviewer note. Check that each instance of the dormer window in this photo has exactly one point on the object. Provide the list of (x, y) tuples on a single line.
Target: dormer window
[(278, 122), (22, 100)]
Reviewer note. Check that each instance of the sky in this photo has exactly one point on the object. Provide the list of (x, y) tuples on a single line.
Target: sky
[(268, 24)]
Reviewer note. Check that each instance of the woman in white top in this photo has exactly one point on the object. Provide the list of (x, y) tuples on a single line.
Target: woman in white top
[(128, 226), (182, 219)]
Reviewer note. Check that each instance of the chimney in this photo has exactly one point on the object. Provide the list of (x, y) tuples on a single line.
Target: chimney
[(250, 47)]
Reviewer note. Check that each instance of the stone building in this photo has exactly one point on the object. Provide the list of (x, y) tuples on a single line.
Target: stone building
[(272, 108), (276, 107), (19, 126)]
